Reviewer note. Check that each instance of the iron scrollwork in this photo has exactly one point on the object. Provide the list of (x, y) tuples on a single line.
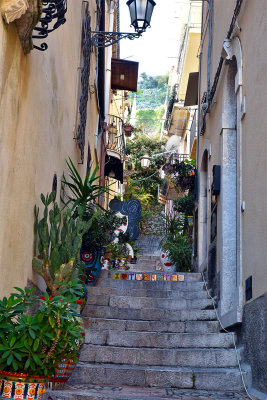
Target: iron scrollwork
[(84, 82), (105, 39), (53, 13)]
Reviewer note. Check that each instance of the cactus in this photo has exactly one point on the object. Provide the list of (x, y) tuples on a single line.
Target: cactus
[(58, 238)]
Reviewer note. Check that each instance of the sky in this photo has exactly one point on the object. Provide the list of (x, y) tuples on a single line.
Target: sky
[(157, 49)]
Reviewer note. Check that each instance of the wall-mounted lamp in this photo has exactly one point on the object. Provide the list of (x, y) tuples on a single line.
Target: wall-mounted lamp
[(145, 161), (140, 14)]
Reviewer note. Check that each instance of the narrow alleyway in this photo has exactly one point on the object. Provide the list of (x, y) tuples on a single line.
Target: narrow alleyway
[(152, 340)]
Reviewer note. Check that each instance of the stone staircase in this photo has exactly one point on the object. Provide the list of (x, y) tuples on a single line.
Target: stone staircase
[(150, 335)]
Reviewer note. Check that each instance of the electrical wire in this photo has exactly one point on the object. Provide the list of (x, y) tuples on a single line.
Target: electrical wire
[(232, 333)]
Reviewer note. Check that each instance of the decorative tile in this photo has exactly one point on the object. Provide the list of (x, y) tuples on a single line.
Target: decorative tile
[(139, 277), (124, 276), (167, 278), (146, 277), (131, 277), (181, 278), (117, 275), (153, 277), (174, 278), (160, 277)]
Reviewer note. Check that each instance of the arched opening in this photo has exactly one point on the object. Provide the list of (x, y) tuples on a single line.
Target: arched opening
[(203, 212)]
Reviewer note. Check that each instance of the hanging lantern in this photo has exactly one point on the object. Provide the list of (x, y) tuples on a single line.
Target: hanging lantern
[(145, 161), (140, 13)]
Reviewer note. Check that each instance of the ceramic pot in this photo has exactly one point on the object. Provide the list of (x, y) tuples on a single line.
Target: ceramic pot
[(21, 386), (63, 373)]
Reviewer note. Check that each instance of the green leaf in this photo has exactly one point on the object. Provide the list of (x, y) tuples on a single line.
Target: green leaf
[(9, 360), (32, 333), (6, 354), (37, 359), (51, 321), (42, 198), (17, 355), (36, 344), (27, 364)]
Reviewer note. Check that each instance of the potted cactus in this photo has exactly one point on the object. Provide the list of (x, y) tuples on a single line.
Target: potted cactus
[(58, 240)]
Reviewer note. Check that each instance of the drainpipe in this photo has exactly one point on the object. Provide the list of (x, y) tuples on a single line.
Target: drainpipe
[(101, 67), (109, 56), (101, 96), (199, 105), (210, 5)]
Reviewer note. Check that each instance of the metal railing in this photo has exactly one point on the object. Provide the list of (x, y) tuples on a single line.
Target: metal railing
[(115, 140)]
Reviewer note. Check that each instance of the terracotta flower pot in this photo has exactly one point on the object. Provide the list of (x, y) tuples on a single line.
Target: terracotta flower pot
[(21, 386)]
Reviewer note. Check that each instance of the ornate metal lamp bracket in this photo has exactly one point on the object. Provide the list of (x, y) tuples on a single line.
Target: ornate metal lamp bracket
[(105, 39)]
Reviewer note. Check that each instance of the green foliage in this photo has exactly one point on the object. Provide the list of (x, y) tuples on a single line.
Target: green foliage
[(101, 231), (179, 251), (175, 243), (35, 343), (152, 91), (58, 239), (83, 193), (185, 205), (143, 185), (118, 248), (150, 120)]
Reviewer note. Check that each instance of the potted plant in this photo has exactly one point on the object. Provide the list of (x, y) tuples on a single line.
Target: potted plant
[(35, 335), (58, 240), (128, 129)]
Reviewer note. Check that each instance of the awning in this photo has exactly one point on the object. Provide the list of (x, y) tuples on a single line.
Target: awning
[(191, 97), (124, 74), (114, 168)]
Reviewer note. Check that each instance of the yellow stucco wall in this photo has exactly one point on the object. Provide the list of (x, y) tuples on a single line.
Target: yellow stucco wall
[(38, 98)]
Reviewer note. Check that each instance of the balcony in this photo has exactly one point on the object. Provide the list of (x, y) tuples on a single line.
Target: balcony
[(115, 148)]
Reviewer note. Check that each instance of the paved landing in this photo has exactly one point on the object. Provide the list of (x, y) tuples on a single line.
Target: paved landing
[(96, 392)]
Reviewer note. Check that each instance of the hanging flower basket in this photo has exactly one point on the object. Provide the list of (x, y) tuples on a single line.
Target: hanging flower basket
[(128, 130), (21, 386)]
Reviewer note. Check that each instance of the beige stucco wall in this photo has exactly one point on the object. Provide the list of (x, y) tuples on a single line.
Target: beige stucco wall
[(38, 98), (253, 21)]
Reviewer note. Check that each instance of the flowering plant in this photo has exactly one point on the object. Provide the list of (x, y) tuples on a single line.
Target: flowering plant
[(36, 333)]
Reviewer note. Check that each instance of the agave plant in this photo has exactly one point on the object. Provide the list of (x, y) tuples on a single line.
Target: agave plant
[(76, 192)]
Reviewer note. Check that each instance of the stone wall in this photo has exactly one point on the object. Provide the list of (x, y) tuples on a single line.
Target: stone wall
[(255, 340)]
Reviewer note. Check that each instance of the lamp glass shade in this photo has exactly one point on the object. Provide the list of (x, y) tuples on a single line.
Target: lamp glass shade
[(145, 161), (140, 13)]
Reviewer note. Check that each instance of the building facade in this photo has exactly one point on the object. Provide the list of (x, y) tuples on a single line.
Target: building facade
[(231, 213), (55, 89)]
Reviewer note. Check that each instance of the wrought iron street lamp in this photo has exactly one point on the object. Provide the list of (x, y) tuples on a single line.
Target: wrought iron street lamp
[(140, 14)]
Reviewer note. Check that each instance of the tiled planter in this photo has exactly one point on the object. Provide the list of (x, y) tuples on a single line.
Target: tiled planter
[(21, 386)]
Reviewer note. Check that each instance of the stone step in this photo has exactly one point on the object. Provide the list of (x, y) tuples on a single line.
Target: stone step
[(91, 392), (141, 268), (148, 314), (149, 258), (147, 302), (150, 285), (158, 340), (193, 357), (152, 326), (165, 294), (157, 376), (188, 276)]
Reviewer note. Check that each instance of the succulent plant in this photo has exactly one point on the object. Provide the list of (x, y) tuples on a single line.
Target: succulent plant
[(58, 239)]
